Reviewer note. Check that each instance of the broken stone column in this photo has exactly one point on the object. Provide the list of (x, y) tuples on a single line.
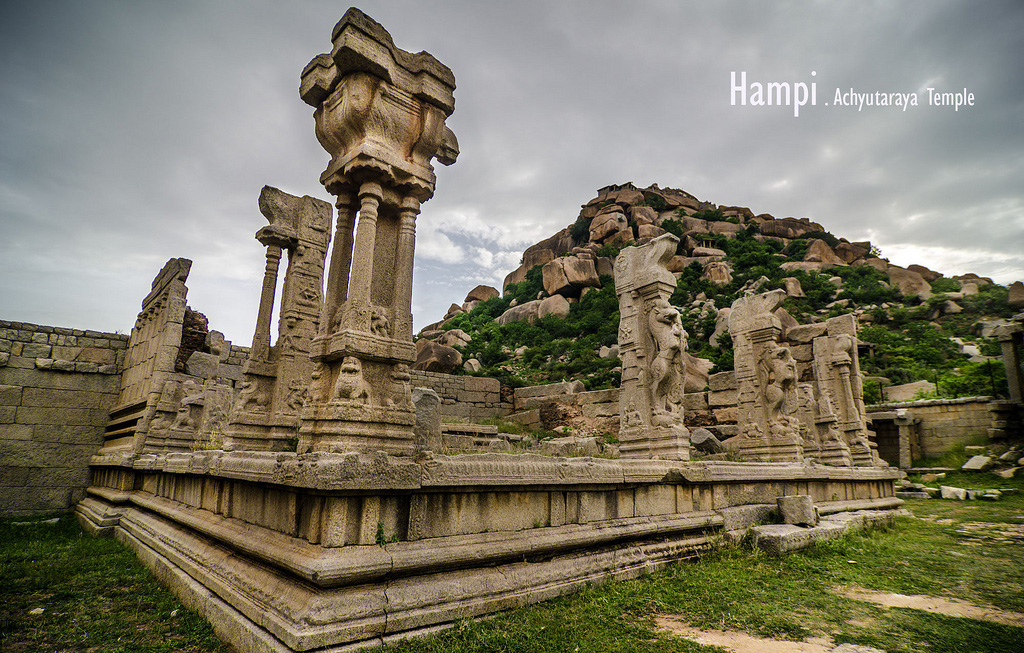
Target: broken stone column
[(1011, 340), (841, 410), (767, 379), (152, 352), (652, 344), (276, 379), (428, 419), (380, 114)]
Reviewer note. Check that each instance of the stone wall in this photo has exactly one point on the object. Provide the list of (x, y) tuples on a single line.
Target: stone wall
[(56, 388), (464, 397), (943, 423)]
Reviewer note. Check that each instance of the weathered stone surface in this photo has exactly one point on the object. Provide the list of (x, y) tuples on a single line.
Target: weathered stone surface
[(435, 357), (525, 312), (908, 283), (718, 273), (642, 215), (649, 231), (554, 278), (797, 509), (705, 441), (949, 492), (926, 274), (556, 305), (851, 252), (819, 251), (708, 251), (428, 419), (606, 225), (788, 227), (767, 378), (580, 272), (454, 338), (907, 391), (721, 326), (806, 266), (604, 266), (652, 347), (515, 276), (793, 288), (482, 293), (1016, 294), (205, 366), (472, 365), (786, 320), (977, 464), (571, 446)]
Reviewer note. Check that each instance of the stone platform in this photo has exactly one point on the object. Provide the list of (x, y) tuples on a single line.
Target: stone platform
[(327, 552)]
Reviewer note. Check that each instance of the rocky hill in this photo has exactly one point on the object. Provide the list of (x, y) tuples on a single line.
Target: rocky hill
[(557, 315)]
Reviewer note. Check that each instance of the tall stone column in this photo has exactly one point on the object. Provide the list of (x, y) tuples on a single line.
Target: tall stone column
[(404, 261), (275, 380), (341, 261), (261, 339), (370, 196), (379, 112), (652, 345)]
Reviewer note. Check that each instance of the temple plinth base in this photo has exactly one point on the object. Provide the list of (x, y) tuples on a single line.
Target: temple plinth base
[(662, 443)]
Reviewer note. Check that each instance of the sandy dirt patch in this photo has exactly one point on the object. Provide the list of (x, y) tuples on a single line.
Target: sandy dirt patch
[(943, 606), (741, 642)]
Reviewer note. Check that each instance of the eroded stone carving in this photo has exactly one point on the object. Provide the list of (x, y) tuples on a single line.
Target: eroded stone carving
[(766, 375), (380, 113), (841, 397), (274, 387), (652, 344)]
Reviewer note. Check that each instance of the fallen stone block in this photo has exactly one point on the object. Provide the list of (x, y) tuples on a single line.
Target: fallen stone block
[(977, 464), (948, 492), (798, 509), (913, 494)]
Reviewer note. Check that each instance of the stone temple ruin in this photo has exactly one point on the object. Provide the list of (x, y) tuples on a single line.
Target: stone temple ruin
[(300, 500)]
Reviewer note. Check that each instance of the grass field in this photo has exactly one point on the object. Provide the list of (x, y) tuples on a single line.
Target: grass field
[(96, 597)]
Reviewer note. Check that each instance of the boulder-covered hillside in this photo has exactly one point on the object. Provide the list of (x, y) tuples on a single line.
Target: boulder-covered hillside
[(557, 315)]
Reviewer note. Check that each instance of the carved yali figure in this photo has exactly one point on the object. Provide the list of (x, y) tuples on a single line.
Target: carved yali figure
[(669, 340), (350, 385), (400, 379), (777, 370)]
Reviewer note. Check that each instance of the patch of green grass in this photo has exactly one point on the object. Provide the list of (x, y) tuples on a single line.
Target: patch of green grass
[(791, 597), (94, 594), (98, 597)]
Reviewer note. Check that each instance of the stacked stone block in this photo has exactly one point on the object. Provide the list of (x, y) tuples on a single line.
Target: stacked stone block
[(944, 422), (463, 397), (56, 388)]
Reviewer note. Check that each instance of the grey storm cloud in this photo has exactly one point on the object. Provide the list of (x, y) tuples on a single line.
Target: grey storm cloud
[(131, 133)]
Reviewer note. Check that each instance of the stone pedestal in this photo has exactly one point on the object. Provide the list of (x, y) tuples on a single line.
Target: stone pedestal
[(652, 344), (380, 113)]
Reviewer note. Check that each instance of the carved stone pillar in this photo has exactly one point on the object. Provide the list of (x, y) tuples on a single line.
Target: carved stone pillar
[(261, 339), (341, 261), (767, 401), (652, 345), (275, 379), (380, 113)]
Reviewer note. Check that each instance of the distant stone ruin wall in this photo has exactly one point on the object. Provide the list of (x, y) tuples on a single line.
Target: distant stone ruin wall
[(464, 397), (56, 388), (943, 423)]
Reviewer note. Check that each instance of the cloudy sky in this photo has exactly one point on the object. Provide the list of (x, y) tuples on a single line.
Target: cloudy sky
[(134, 132)]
